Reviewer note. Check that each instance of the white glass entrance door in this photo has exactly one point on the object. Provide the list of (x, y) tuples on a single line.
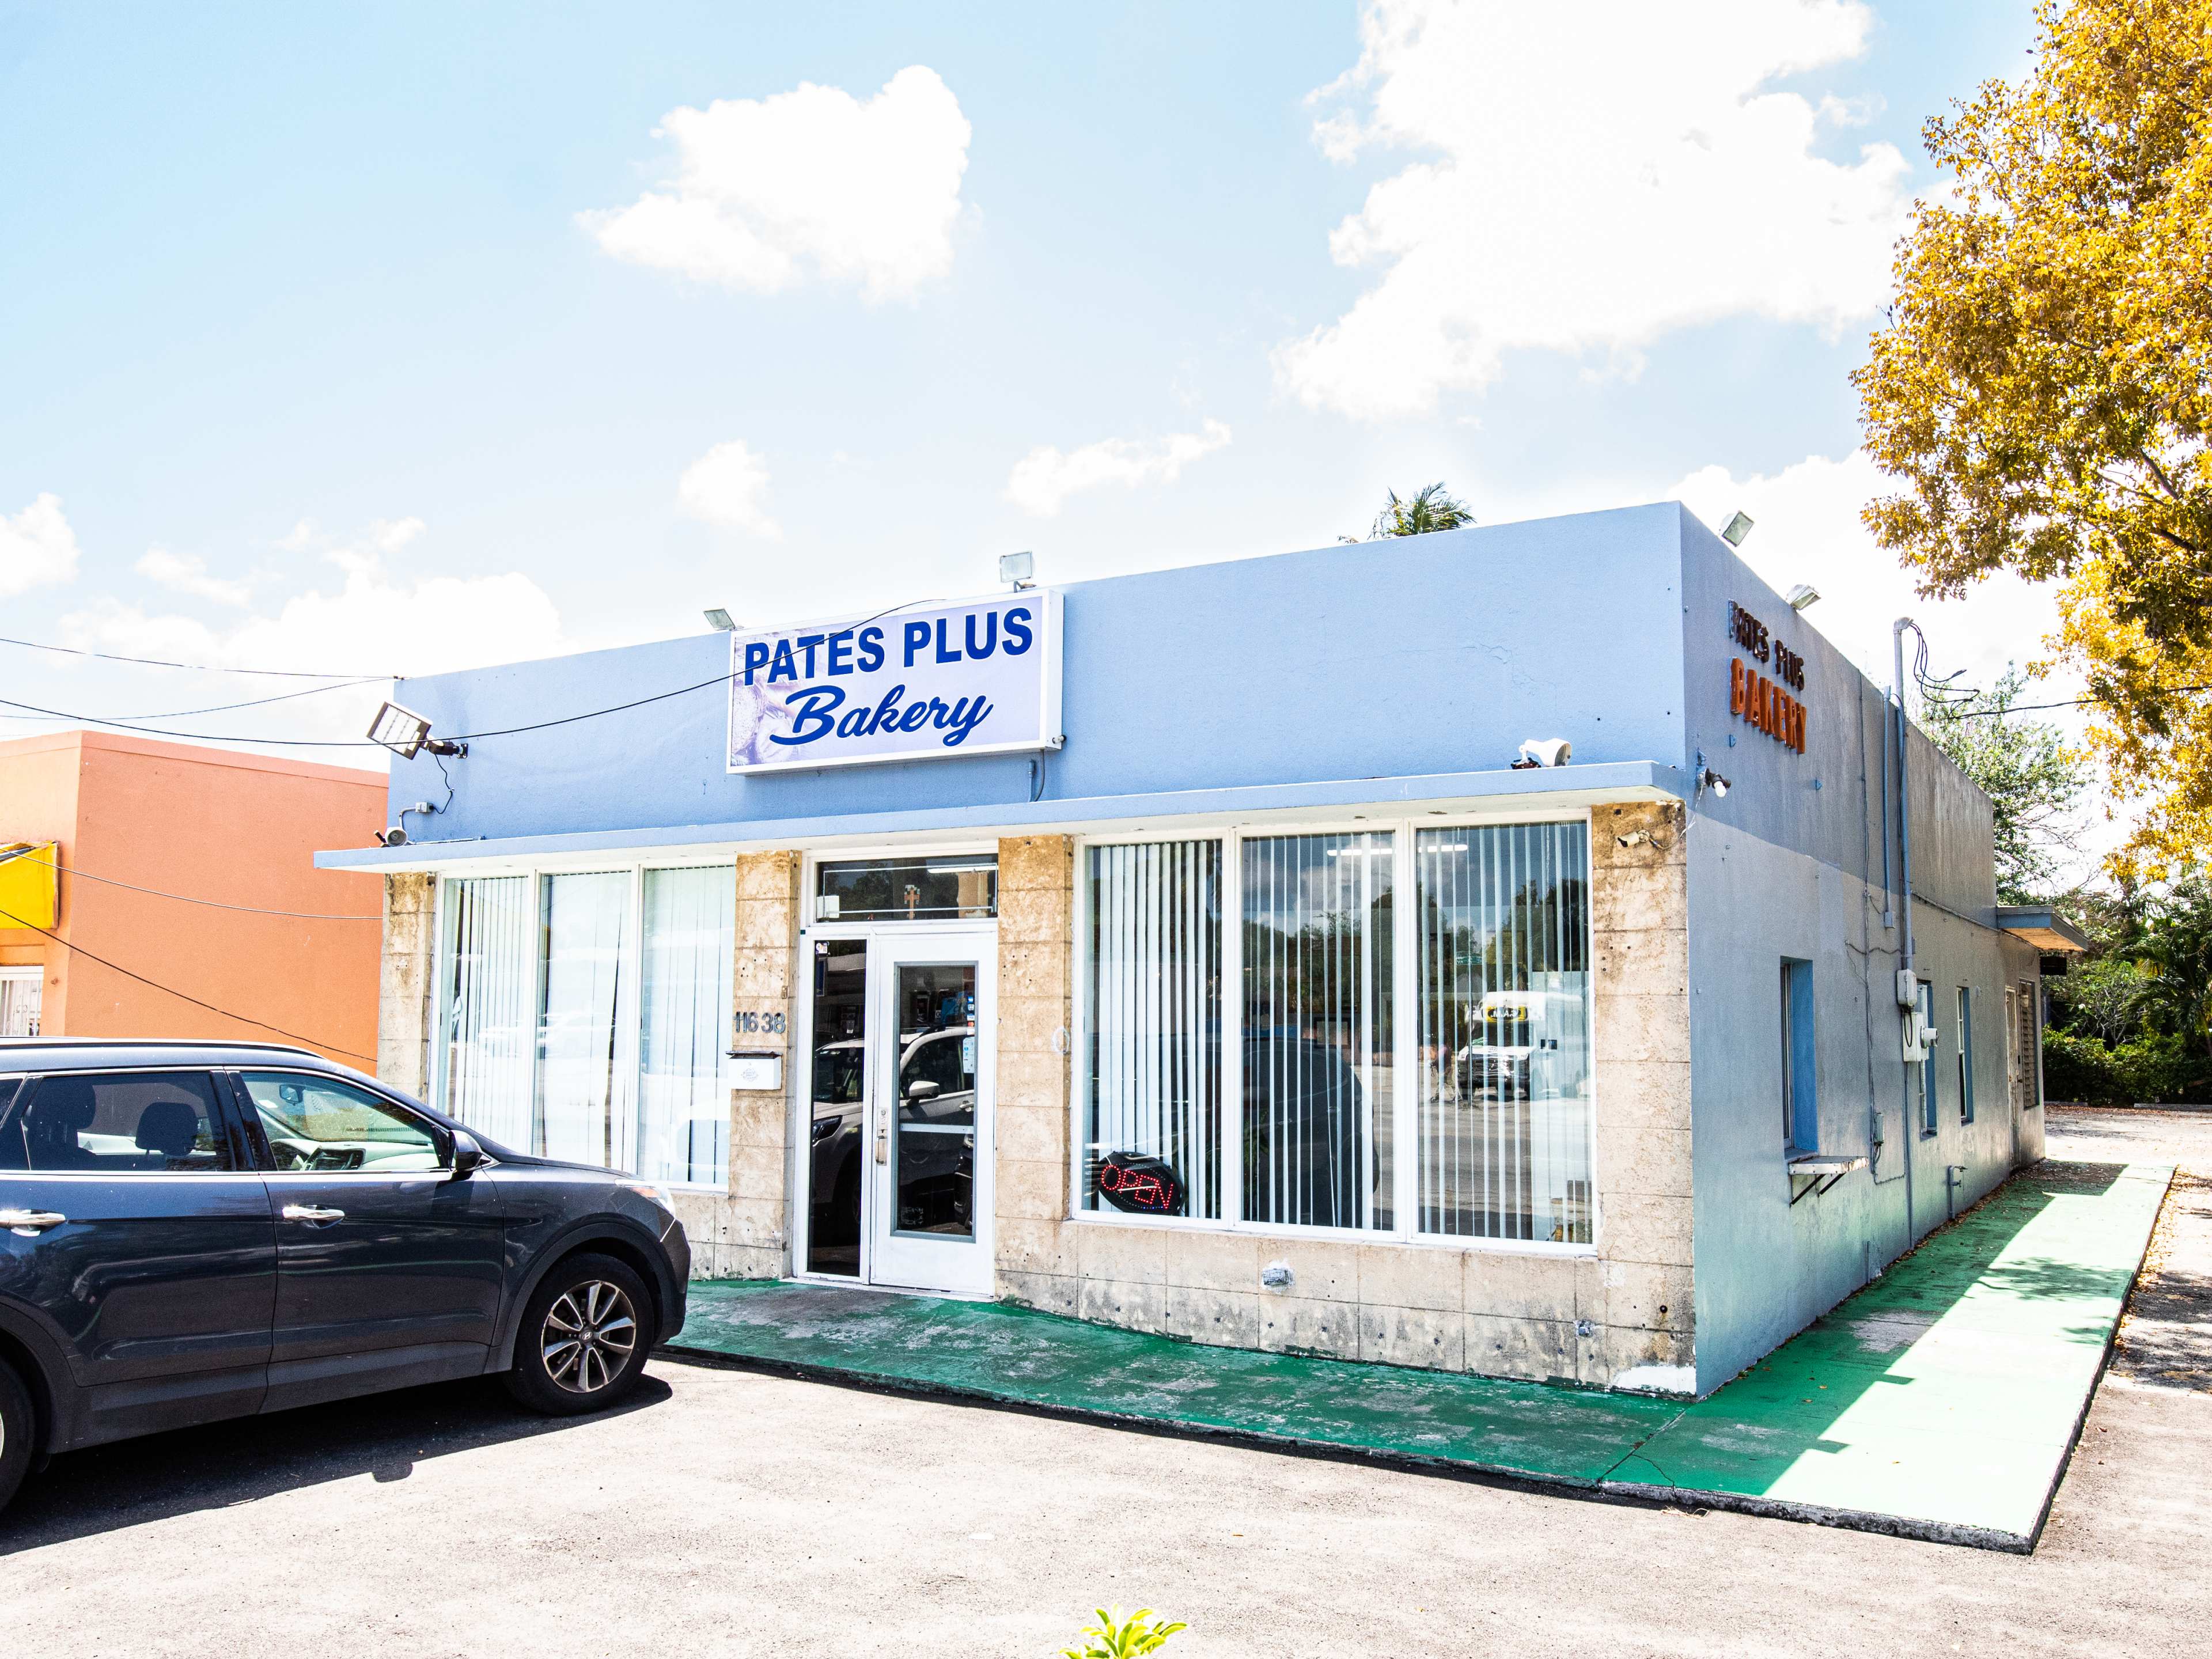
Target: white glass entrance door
[(930, 1043)]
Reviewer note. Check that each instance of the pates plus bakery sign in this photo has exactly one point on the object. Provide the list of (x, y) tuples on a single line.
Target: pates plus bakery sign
[(1298, 952), (976, 678), (1759, 702)]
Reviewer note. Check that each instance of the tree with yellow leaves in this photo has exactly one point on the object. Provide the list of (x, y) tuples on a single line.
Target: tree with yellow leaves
[(2042, 386)]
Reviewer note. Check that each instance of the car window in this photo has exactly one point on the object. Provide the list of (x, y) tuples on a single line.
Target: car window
[(319, 1123), (839, 1073), (117, 1122)]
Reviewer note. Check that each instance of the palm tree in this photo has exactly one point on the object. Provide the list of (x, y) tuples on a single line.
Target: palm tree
[(1428, 509)]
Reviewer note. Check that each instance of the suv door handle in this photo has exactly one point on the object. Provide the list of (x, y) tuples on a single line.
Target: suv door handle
[(311, 1212), (28, 1223)]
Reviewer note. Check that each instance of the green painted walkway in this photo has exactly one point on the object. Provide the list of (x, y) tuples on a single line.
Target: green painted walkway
[(1940, 1401)]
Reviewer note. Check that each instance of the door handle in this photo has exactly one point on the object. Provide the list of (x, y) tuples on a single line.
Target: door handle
[(312, 1212), (29, 1223)]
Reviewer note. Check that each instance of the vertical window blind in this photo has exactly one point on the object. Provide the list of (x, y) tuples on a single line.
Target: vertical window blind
[(1152, 1143), (1503, 1031), (1317, 1029), (683, 1111), (580, 945), (486, 983)]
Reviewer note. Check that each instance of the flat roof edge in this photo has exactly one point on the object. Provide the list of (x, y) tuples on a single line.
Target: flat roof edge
[(2041, 926), (1562, 786)]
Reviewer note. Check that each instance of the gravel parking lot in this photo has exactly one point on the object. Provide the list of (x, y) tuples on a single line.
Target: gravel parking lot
[(730, 1512)]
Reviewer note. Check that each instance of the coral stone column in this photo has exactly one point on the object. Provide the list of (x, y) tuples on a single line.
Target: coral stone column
[(1037, 902), (404, 983), (753, 1228), (1645, 1330)]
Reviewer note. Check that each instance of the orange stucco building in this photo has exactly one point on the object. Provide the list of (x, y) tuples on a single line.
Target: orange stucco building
[(138, 830)]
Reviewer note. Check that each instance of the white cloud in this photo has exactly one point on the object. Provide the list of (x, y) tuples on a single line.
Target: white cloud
[(1594, 176), (725, 486), (187, 573), (810, 182), (373, 623), (38, 548), (1806, 528), (1046, 476)]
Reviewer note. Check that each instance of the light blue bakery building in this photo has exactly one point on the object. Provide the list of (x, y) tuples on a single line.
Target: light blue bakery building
[(1218, 951)]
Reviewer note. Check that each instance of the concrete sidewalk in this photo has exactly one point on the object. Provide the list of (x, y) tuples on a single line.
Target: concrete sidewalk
[(1941, 1402)]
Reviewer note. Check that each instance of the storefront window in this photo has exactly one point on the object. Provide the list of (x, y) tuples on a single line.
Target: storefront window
[(1152, 1145), (1317, 1029), (486, 981), (682, 1110), (1496, 1115), (1504, 1034), (945, 887), (581, 941)]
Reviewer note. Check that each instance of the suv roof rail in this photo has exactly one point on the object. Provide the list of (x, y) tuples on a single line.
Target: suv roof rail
[(150, 1042)]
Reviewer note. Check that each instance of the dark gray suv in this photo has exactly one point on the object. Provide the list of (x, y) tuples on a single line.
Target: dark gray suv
[(192, 1230)]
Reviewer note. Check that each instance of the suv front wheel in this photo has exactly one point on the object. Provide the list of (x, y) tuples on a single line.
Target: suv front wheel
[(18, 1427), (583, 1339)]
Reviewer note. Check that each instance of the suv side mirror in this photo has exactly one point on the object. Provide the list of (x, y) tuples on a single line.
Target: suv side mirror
[(923, 1089), (468, 1155)]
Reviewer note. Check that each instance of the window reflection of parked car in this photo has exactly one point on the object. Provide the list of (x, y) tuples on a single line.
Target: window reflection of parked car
[(936, 1170), (1511, 1036), (937, 1089), (839, 1137)]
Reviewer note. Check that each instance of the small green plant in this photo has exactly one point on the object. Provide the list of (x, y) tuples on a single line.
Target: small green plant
[(1122, 1638)]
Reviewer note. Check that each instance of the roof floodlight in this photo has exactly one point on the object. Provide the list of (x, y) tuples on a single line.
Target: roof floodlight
[(1802, 595), (1738, 528), (406, 733), (719, 619), (1017, 568)]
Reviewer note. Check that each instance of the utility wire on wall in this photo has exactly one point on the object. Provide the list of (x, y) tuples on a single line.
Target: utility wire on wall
[(116, 967), (181, 898)]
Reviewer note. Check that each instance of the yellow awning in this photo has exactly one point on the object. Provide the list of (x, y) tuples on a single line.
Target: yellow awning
[(29, 880)]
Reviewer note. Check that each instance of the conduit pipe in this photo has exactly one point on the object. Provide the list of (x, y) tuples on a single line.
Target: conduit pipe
[(1904, 864), (1903, 808)]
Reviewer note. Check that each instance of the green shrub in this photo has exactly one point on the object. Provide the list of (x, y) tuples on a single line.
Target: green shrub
[(2157, 1066)]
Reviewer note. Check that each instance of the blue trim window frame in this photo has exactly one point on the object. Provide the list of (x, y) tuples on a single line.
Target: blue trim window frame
[(1800, 1106), (1928, 1118), (1965, 1054)]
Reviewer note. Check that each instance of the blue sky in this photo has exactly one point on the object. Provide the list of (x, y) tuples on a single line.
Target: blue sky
[(338, 339)]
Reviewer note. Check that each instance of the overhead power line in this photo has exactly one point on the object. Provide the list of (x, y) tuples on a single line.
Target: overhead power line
[(2066, 702), (171, 990), (194, 667), (359, 743), (196, 737), (225, 707), (28, 857)]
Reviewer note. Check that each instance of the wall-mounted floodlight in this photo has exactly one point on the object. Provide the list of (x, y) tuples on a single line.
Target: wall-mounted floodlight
[(1017, 568), (1802, 595), (1544, 751), (718, 619), (1708, 779), (1738, 528), (406, 733)]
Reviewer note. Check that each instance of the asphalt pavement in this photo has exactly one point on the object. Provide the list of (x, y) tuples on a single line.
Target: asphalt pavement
[(726, 1511)]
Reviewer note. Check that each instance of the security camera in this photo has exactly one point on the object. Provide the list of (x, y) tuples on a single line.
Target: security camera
[(394, 836), (1544, 751)]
